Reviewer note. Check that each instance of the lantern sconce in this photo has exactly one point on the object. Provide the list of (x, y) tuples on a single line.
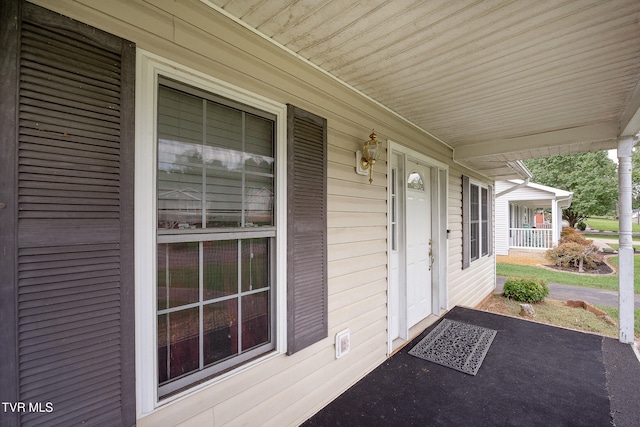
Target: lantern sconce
[(366, 158)]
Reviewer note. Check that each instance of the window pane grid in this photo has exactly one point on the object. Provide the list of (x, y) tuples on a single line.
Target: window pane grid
[(215, 233), (474, 214), (485, 221), (211, 301), (201, 148), (252, 328)]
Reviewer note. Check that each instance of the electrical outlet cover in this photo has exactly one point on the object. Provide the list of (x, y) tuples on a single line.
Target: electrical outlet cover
[(343, 343)]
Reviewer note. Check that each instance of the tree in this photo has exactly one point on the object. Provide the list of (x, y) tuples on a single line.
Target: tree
[(635, 178), (592, 178)]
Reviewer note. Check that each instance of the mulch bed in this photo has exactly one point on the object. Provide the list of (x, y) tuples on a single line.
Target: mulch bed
[(601, 268)]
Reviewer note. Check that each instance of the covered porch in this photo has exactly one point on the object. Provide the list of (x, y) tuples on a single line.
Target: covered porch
[(497, 83), (528, 215)]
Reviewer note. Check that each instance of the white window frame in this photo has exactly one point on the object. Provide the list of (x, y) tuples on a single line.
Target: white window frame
[(481, 186), (149, 67)]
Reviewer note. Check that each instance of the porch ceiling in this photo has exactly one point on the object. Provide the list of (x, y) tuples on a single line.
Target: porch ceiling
[(534, 204), (496, 80)]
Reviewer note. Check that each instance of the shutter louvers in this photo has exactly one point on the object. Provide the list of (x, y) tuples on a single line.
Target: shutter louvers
[(466, 223), (75, 214), (307, 229)]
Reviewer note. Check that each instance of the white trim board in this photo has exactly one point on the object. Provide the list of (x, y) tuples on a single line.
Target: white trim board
[(148, 67), (441, 296)]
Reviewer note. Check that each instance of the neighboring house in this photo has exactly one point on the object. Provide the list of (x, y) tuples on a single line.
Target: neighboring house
[(185, 235), (528, 215)]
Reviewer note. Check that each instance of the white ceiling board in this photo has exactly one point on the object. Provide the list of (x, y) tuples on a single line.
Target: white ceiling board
[(489, 77)]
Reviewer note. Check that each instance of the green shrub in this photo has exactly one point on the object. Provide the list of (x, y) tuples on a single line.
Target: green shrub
[(581, 225), (526, 289)]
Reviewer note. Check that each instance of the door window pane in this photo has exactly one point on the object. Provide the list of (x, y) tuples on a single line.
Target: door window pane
[(415, 181)]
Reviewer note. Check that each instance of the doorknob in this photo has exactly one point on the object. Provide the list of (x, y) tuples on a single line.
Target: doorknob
[(431, 258), (2, 206)]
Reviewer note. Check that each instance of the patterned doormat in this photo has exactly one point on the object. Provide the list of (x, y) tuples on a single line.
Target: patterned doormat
[(456, 345)]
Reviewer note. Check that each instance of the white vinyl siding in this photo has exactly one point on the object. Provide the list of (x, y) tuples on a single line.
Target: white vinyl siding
[(215, 49), (476, 228), (502, 220), (471, 285)]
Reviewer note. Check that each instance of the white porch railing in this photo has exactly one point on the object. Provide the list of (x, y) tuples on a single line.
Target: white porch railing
[(530, 238)]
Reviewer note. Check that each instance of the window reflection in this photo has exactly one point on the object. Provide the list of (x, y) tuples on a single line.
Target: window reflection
[(415, 181), (214, 158), (214, 288)]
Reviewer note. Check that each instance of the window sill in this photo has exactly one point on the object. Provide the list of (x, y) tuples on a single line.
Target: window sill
[(213, 382)]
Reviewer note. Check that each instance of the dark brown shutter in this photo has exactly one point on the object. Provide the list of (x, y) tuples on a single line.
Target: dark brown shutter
[(73, 289), (9, 12), (466, 224), (307, 229)]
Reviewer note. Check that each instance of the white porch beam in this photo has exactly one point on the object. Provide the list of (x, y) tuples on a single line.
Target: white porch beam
[(600, 135), (625, 271), (630, 120)]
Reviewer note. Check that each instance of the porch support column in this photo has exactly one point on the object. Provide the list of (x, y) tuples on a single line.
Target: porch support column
[(556, 223), (625, 273)]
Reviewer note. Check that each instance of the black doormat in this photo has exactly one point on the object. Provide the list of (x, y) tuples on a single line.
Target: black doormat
[(457, 345)]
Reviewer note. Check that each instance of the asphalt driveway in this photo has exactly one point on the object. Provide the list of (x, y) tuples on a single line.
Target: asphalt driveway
[(568, 292)]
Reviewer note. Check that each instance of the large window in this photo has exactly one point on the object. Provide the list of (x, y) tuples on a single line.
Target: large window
[(230, 261), (485, 223), (474, 214), (215, 232), (477, 221)]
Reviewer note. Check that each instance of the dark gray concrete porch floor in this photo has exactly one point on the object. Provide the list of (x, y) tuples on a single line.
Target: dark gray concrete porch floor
[(533, 375)]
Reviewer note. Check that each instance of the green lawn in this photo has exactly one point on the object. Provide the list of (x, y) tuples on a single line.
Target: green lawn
[(605, 224), (598, 282), (606, 237), (613, 313), (616, 246)]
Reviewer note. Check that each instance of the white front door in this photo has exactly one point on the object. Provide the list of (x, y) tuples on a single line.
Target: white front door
[(418, 248)]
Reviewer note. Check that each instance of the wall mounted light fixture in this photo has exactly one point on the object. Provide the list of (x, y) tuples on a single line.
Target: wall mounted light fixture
[(366, 158)]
